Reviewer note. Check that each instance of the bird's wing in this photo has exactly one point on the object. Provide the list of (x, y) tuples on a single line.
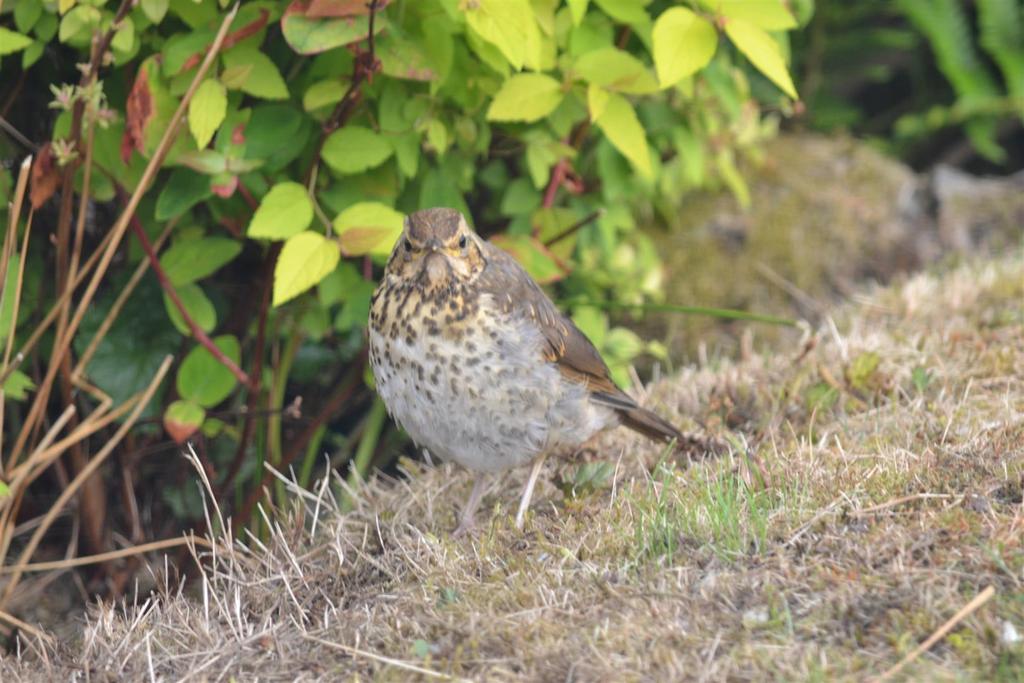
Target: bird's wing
[(566, 346)]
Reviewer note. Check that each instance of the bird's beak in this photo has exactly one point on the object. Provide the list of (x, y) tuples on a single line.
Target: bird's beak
[(433, 244)]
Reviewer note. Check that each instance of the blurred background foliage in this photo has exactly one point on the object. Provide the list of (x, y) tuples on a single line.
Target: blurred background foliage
[(566, 131)]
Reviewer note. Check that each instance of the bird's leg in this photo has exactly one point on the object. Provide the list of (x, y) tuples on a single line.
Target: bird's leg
[(466, 521), (528, 491)]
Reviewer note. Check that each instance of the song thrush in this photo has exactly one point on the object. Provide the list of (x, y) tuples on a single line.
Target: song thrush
[(479, 366)]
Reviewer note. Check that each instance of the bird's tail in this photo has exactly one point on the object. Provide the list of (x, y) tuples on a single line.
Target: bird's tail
[(650, 425)]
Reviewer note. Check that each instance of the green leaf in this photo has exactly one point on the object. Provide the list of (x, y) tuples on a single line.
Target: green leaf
[(198, 306), (204, 379), (578, 8), (155, 10), (81, 19), (597, 100), (206, 111), (921, 378), (11, 42), (336, 286), (26, 14), (620, 125), (18, 385), (271, 123), (283, 212), (762, 51), (615, 69), (354, 149), (189, 260), (506, 24), (310, 36), (533, 256), (437, 136), (323, 94), (771, 15), (368, 228), (356, 309), (182, 419), (683, 44), (32, 54), (130, 353), (305, 260), (625, 11), (124, 39), (401, 57), (264, 80), (525, 97), (183, 190), (622, 344)]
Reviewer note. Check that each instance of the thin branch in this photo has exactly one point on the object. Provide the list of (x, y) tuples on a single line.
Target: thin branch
[(586, 220), (966, 611), (364, 67), (168, 287), (76, 483), (112, 555)]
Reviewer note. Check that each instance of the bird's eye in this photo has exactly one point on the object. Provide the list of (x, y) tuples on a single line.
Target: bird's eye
[(462, 242), (408, 245)]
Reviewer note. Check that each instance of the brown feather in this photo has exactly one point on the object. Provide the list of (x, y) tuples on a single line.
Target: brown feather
[(573, 353)]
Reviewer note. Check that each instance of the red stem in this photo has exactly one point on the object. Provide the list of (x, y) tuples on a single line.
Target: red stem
[(197, 332)]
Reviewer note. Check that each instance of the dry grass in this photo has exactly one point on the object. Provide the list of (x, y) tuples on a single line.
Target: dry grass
[(877, 489)]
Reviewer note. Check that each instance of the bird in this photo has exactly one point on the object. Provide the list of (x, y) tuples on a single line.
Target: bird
[(477, 365)]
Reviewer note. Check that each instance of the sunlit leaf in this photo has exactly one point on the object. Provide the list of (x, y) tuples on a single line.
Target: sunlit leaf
[(11, 42), (683, 44), (368, 228), (264, 80), (506, 24), (206, 111), (578, 9), (625, 11), (615, 69), (525, 97), (305, 260), (762, 51), (771, 15), (620, 125), (283, 212)]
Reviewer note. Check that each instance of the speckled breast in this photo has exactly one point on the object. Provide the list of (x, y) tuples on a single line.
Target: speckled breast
[(469, 383)]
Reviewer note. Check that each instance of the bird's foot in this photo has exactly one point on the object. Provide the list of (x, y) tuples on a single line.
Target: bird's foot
[(465, 528)]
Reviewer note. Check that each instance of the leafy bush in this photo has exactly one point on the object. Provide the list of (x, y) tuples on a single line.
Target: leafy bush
[(917, 75), (307, 130)]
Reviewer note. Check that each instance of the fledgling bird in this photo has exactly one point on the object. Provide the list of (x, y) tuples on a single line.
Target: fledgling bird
[(477, 364)]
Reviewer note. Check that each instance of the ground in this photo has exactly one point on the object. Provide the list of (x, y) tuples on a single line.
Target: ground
[(873, 488)]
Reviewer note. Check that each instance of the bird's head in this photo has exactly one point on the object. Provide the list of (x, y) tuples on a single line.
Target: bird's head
[(436, 248)]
